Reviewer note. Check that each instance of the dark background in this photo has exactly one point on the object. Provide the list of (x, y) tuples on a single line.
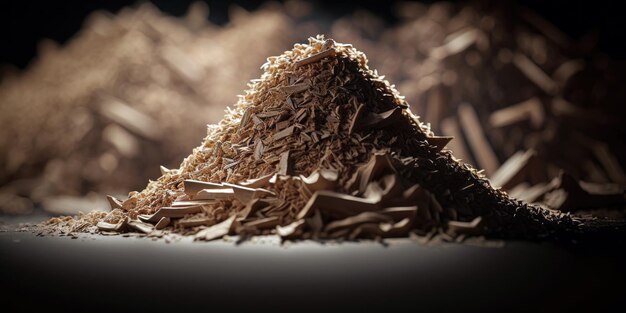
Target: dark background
[(24, 23)]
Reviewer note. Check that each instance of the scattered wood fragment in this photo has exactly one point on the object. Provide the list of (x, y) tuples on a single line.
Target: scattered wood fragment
[(531, 109), (216, 231), (322, 179), (535, 74), (263, 223), (316, 57), (285, 164), (163, 222), (284, 133), (141, 226), (170, 212), (439, 142), (450, 128), (192, 187), (115, 203), (481, 148), (214, 194)]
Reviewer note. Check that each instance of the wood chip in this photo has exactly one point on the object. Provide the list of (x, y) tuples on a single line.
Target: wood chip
[(295, 88), (246, 194), (481, 148), (119, 227), (337, 204), (260, 182), (114, 203), (522, 166), (192, 203), (457, 43), (193, 222), (141, 226), (382, 120), (473, 227), (130, 118), (216, 231), (292, 230), (450, 128), (171, 213), (568, 69), (163, 222), (284, 167), (439, 142), (531, 109), (192, 187), (321, 179), (353, 221), (264, 223), (215, 194), (284, 133), (535, 74), (316, 57)]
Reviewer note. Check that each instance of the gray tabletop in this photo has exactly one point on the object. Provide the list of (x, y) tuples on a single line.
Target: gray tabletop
[(111, 273)]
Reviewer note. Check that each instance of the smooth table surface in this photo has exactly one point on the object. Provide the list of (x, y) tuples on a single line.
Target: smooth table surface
[(119, 274)]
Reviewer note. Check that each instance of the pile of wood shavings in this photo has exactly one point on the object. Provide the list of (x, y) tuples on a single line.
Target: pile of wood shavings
[(323, 147)]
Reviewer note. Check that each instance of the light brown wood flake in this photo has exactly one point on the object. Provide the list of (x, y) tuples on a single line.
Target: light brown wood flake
[(293, 89), (192, 187), (246, 194), (321, 179), (282, 125), (118, 227), (186, 203), (256, 120), (268, 114), (194, 222), (216, 231), (292, 230), (456, 43), (215, 194), (141, 226), (114, 203), (171, 212), (260, 182), (316, 57)]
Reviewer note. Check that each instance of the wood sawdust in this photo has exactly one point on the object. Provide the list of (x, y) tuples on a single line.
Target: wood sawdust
[(357, 164)]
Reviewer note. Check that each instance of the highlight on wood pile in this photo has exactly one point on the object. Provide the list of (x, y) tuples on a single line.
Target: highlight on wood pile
[(511, 88), (323, 147), (128, 93)]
